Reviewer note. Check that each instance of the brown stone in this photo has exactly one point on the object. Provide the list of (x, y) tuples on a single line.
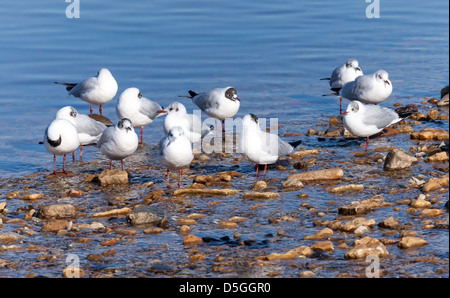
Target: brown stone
[(438, 157), (435, 183), (431, 212), (409, 242), (58, 211), (397, 159), (322, 234), (261, 195), (364, 206), (431, 134), (113, 212), (327, 174), (390, 223), (205, 191), (323, 246), (302, 251), (357, 222), (192, 239), (55, 226), (366, 246), (347, 188)]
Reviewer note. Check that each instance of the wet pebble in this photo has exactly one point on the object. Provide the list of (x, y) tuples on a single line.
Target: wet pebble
[(366, 246), (322, 234), (411, 241), (398, 159), (57, 211)]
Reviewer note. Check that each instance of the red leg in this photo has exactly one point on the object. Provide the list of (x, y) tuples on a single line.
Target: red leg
[(179, 178), (367, 144), (168, 178), (81, 153), (91, 110), (100, 109), (340, 105), (54, 165), (64, 164), (142, 131), (122, 164), (73, 155), (265, 168), (257, 168), (110, 164), (223, 126)]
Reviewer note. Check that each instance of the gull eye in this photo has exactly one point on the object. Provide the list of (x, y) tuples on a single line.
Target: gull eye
[(140, 94), (176, 110), (170, 109)]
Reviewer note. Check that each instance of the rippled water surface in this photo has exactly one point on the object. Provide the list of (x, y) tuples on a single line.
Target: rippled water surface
[(273, 52)]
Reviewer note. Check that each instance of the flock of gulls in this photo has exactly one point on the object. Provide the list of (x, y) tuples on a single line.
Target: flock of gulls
[(70, 129)]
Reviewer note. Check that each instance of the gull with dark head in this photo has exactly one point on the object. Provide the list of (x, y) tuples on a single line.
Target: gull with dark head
[(60, 138), (96, 90), (341, 75), (219, 103), (367, 120), (369, 89), (176, 115), (175, 152), (260, 147), (118, 142), (140, 110), (89, 130)]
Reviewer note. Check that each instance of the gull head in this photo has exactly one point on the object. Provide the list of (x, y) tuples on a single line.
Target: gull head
[(231, 94), (125, 124)]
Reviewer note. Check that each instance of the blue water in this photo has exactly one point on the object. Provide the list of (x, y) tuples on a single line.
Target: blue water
[(273, 52)]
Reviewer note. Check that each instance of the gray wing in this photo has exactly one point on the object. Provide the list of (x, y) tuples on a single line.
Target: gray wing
[(273, 145), (149, 108), (84, 87), (106, 136), (379, 116), (86, 124), (163, 144), (204, 102)]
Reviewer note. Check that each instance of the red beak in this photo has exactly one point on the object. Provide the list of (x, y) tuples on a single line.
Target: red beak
[(387, 82), (345, 113), (161, 111), (238, 98)]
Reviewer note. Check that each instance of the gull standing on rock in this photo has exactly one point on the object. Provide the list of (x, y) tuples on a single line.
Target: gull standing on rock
[(89, 130), (367, 120), (261, 147), (118, 142), (219, 103), (175, 152), (369, 89), (60, 138), (191, 124), (140, 110), (96, 90), (343, 74)]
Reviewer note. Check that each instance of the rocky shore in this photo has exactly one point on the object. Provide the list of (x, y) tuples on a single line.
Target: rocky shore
[(320, 212)]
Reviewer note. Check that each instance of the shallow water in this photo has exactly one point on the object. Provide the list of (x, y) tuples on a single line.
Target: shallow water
[(273, 53)]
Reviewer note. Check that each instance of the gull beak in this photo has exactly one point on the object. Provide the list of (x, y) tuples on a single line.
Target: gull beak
[(128, 129), (345, 113), (161, 111), (387, 82), (357, 68), (237, 98)]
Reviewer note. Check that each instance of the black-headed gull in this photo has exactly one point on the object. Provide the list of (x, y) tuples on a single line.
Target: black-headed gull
[(176, 115), (218, 103), (118, 142), (367, 120), (343, 74), (175, 152), (261, 147), (89, 130), (60, 138), (140, 110), (369, 89), (96, 90)]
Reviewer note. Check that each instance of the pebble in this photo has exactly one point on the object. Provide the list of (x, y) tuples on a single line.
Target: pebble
[(184, 229), (352, 225), (261, 195), (213, 192), (185, 222), (431, 134), (302, 251), (364, 206), (31, 196), (57, 211), (431, 212), (347, 188), (420, 203), (113, 212), (304, 152), (145, 215), (153, 230), (398, 159), (55, 225), (327, 174), (260, 185), (361, 230), (73, 272), (192, 239), (366, 246), (390, 223), (307, 274), (410, 241), (322, 234), (435, 183), (227, 225), (438, 157), (8, 238), (326, 245)]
